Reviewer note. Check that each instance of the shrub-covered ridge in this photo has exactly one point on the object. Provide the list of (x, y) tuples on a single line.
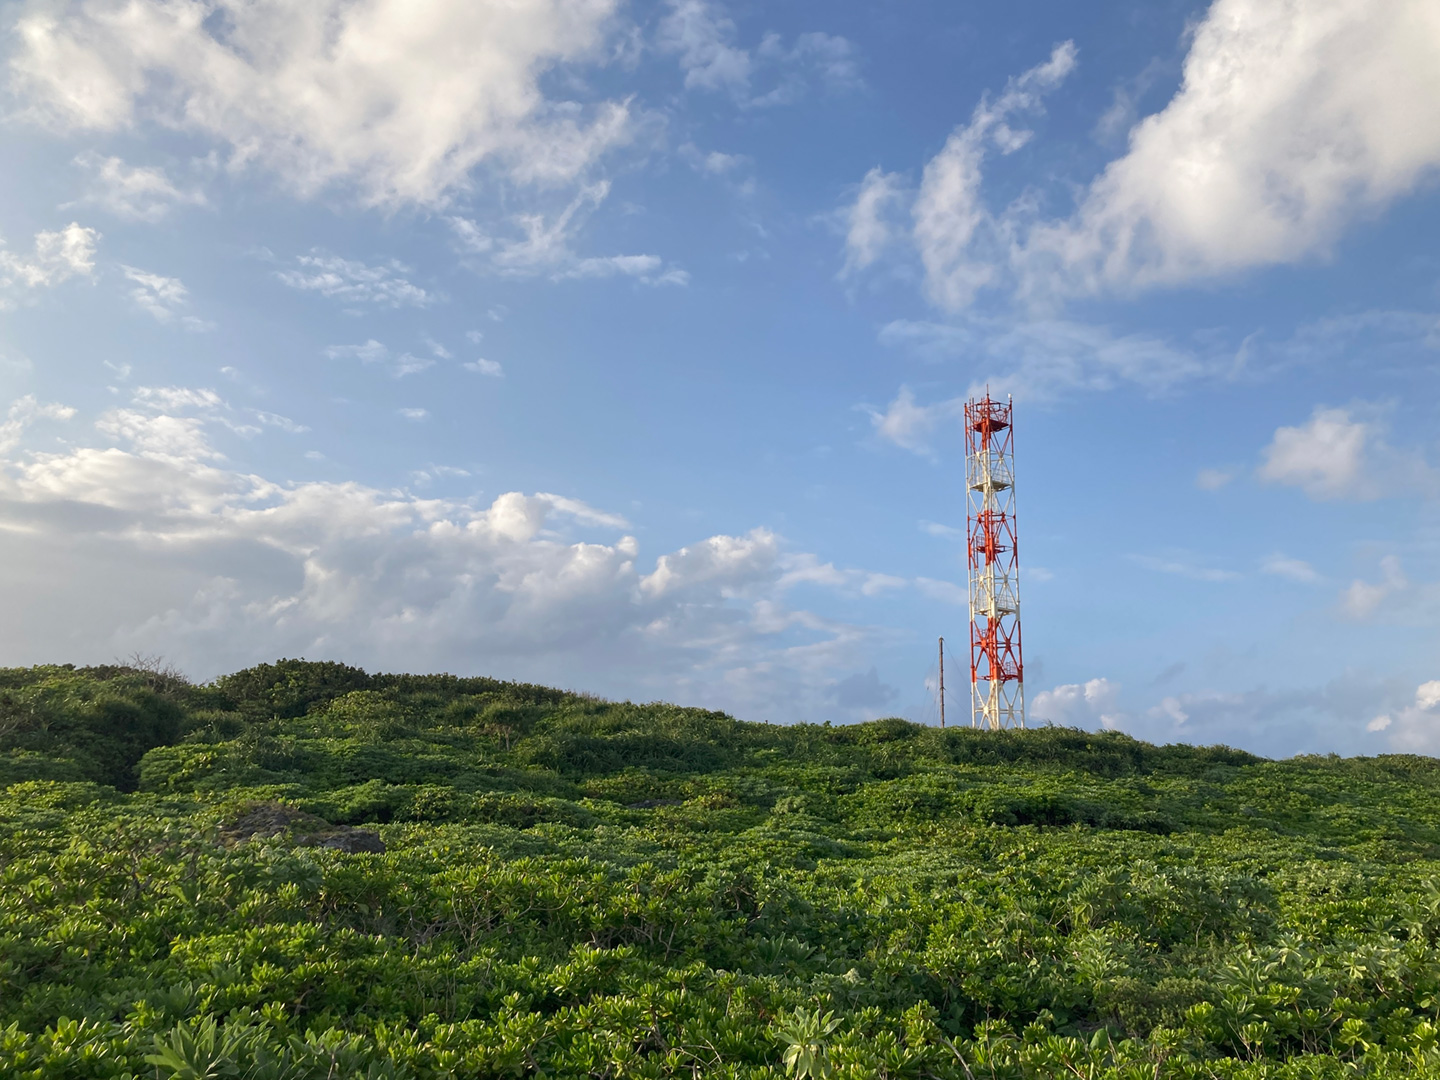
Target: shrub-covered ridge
[(578, 888)]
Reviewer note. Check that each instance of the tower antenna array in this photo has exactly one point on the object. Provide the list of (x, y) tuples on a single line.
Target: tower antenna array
[(997, 670)]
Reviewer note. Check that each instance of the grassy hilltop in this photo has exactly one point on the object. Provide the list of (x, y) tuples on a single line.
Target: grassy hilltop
[(303, 870)]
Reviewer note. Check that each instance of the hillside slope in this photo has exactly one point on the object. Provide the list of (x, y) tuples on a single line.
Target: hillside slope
[(577, 888)]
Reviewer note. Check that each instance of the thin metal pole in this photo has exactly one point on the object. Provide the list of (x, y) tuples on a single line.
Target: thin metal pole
[(942, 682)]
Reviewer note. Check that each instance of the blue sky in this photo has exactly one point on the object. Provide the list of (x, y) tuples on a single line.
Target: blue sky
[(620, 346)]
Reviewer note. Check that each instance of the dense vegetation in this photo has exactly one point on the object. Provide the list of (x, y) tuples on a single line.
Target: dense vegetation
[(576, 888)]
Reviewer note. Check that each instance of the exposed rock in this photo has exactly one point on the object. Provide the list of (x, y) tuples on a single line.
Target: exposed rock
[(351, 841), (268, 821)]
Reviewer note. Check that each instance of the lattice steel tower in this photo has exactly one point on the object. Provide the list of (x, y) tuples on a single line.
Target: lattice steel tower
[(997, 671)]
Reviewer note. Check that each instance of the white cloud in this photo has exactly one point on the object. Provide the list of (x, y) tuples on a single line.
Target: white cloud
[(163, 437), (1337, 456), (172, 422), (150, 544), (715, 163), (275, 420), (910, 425), (1213, 479), (1120, 117), (485, 367), (1427, 695), (134, 192), (869, 228), (414, 413), (1078, 704), (947, 532), (14, 363), (1325, 457), (59, 256), (1363, 599), (175, 398), (1182, 566), (372, 352), (719, 563), (1297, 570), (832, 56), (1034, 360), (163, 298), (428, 475), (947, 592), (702, 37), (24, 412), (1292, 122), (354, 282), (950, 215), (1037, 359), (401, 100), (544, 247), (806, 569), (1280, 722), (1415, 727), (696, 32)]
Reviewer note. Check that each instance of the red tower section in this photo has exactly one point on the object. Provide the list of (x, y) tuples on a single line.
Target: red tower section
[(997, 667)]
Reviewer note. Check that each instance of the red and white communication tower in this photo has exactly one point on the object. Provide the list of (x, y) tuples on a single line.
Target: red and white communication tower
[(997, 672)]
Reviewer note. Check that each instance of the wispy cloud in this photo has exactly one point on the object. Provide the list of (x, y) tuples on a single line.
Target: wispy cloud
[(1297, 570), (1181, 565), (354, 282), (374, 354), (133, 192), (703, 40), (163, 298), (544, 248)]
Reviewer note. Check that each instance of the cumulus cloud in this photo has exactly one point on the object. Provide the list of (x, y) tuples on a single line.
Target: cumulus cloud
[(150, 542), (1292, 121), (1337, 455), (134, 192), (1415, 727), (1079, 704), (355, 282), (399, 99), (58, 256)]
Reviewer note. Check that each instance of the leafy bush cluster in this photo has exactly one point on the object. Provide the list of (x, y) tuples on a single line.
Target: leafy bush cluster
[(578, 888)]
